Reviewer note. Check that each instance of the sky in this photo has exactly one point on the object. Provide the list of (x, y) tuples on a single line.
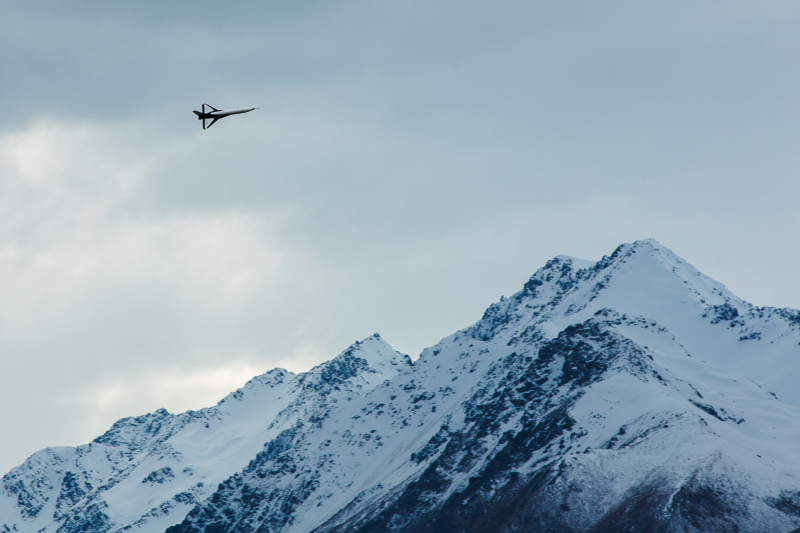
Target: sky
[(409, 163)]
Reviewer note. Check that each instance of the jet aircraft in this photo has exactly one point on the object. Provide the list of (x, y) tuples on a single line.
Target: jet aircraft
[(216, 114)]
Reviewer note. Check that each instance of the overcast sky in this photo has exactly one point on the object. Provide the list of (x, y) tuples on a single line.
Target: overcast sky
[(410, 162)]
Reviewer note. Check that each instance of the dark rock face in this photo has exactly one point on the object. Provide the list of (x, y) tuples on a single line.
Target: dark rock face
[(162, 475), (73, 489), (697, 506), (90, 520), (787, 502)]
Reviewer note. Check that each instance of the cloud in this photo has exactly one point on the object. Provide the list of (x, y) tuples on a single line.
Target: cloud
[(410, 163), (94, 287), (181, 389)]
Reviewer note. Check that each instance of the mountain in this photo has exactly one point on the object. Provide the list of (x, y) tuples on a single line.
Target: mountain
[(630, 394), (147, 472)]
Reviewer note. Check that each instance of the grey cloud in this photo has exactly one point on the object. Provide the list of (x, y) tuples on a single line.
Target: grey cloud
[(410, 162)]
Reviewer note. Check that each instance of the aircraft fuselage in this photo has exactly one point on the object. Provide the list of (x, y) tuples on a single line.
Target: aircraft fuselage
[(216, 114)]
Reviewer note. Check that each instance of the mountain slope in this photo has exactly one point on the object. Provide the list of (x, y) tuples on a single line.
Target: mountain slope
[(621, 395), (646, 279), (147, 472), (569, 433)]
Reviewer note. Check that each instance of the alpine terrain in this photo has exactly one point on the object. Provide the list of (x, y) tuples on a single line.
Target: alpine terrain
[(632, 394)]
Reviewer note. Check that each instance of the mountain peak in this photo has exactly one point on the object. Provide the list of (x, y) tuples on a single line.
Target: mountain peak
[(648, 243), (364, 363), (646, 279), (567, 285), (376, 352), (649, 247), (574, 262)]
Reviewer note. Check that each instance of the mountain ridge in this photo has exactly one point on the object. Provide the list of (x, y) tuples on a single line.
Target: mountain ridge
[(136, 446), (622, 394)]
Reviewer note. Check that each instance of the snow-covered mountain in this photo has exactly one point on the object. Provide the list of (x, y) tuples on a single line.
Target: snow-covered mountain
[(146, 473), (631, 394)]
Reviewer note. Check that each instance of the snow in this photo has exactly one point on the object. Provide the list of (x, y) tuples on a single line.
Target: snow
[(202, 448), (671, 384)]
